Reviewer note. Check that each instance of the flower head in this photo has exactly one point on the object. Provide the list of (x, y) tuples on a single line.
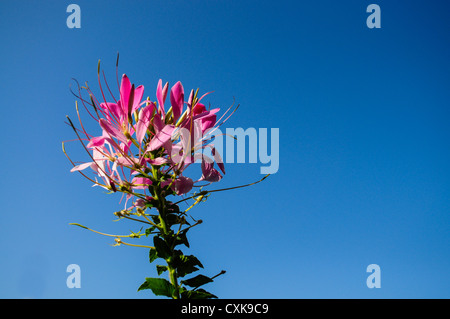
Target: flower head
[(144, 146)]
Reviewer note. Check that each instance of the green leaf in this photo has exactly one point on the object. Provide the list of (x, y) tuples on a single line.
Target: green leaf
[(174, 219), (186, 264), (152, 202), (148, 205), (197, 281), (197, 294), (159, 286), (160, 269), (153, 255), (155, 219), (193, 260), (182, 239), (161, 247), (172, 208)]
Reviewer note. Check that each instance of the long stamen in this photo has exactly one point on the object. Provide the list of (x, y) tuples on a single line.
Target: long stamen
[(83, 139), (79, 119), (89, 153), (84, 175), (83, 100), (106, 82), (100, 82), (222, 189), (241, 186), (220, 124), (117, 71)]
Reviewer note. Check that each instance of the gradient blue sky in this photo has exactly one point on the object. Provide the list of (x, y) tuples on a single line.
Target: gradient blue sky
[(364, 144)]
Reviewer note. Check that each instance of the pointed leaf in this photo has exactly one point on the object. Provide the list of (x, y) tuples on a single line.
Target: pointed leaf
[(161, 247), (160, 269), (159, 286), (197, 281), (153, 255), (182, 239), (186, 265), (197, 294)]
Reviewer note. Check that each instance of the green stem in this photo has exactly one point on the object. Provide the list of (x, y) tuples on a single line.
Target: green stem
[(174, 281), (167, 235), (172, 271)]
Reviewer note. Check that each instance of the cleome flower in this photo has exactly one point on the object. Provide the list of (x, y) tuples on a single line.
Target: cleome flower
[(142, 144)]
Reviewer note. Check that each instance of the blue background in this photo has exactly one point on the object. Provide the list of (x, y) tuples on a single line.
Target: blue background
[(364, 145)]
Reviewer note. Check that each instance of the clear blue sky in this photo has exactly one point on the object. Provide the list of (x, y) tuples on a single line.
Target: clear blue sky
[(364, 144)]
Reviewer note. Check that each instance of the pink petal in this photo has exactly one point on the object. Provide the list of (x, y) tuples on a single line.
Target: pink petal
[(207, 113), (141, 182), (161, 94), (218, 159), (190, 99), (199, 108), (139, 202), (144, 119), (81, 167), (114, 110), (122, 117), (182, 185), (158, 124), (125, 147), (112, 131), (141, 129), (213, 176), (96, 142), (127, 199), (177, 100), (176, 154), (157, 161), (208, 122), (127, 161), (125, 91), (210, 174), (98, 155), (161, 138), (138, 93)]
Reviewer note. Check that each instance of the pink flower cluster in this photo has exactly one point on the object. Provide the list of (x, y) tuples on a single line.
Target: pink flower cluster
[(143, 143)]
